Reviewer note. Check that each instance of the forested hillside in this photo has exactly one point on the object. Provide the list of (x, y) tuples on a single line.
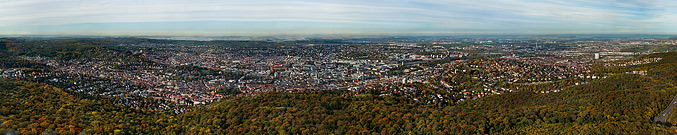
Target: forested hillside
[(33, 108)]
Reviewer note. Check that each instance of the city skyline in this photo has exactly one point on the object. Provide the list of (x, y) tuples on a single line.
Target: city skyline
[(205, 18)]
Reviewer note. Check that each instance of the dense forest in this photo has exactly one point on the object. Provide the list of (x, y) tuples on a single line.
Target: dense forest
[(32, 108), (622, 103)]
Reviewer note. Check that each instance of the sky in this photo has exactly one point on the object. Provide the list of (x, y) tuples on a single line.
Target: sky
[(298, 17)]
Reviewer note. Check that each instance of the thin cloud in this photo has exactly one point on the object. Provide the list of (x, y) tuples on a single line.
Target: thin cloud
[(349, 15)]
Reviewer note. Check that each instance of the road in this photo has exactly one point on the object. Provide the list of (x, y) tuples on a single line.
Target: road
[(533, 83), (663, 117)]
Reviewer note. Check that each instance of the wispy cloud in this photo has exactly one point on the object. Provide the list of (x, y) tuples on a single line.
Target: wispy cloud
[(322, 16)]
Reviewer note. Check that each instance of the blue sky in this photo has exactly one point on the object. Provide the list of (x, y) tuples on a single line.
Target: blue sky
[(275, 17)]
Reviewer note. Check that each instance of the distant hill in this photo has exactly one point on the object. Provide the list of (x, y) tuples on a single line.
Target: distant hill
[(8, 60)]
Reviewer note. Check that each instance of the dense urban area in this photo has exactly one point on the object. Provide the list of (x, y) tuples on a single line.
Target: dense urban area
[(436, 84)]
